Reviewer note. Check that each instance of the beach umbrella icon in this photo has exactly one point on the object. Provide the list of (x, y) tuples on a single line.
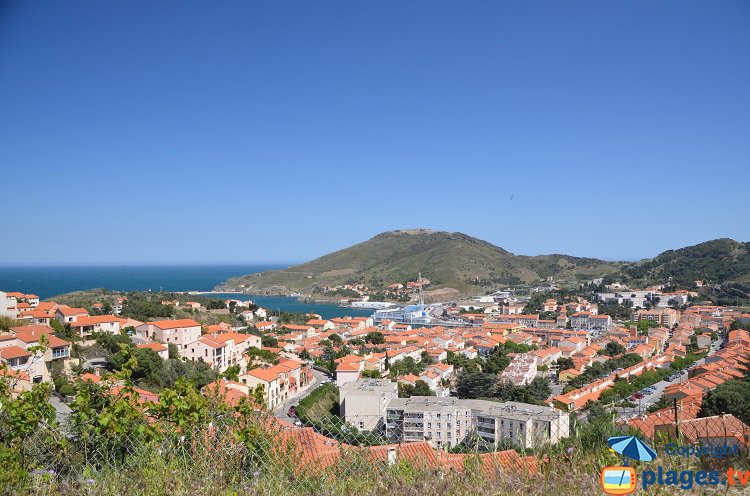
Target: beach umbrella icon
[(631, 447)]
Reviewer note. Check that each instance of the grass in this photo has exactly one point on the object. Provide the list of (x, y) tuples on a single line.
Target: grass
[(571, 475)]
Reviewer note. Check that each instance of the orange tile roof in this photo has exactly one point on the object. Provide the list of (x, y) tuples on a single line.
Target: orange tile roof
[(10, 352), (93, 320), (157, 347), (173, 324)]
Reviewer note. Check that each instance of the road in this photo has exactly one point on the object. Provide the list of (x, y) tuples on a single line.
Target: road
[(650, 399), (61, 409), (280, 412)]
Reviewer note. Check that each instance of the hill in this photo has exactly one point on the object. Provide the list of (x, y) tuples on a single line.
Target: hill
[(720, 261), (449, 259)]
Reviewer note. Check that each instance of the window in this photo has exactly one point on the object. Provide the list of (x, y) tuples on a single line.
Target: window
[(60, 352)]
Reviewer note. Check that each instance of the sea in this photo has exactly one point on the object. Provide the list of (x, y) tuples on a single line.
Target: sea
[(47, 282)]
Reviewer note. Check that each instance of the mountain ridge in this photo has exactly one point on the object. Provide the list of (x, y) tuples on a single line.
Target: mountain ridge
[(449, 259)]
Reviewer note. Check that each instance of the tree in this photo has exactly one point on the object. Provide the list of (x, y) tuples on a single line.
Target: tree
[(173, 352), (565, 363), (426, 360), (336, 339), (232, 373), (539, 388), (731, 397), (269, 342), (420, 388), (375, 337), (496, 362), (474, 385), (614, 348)]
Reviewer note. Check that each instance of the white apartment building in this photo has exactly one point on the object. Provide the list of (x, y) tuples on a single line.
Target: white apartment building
[(446, 422), (363, 402)]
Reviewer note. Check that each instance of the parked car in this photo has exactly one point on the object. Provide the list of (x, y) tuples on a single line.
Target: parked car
[(292, 412), (637, 396)]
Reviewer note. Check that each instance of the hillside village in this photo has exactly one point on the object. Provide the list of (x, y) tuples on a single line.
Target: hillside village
[(492, 374)]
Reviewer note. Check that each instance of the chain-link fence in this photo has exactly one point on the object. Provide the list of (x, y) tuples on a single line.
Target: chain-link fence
[(432, 438)]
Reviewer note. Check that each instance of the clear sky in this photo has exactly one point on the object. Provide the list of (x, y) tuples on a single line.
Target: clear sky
[(224, 132)]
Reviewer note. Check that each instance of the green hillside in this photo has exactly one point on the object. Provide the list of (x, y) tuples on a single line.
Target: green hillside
[(720, 261), (449, 260)]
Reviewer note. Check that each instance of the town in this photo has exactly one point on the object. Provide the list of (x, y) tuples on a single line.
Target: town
[(498, 373)]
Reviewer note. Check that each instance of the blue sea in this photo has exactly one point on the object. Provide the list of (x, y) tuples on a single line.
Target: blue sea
[(47, 282)]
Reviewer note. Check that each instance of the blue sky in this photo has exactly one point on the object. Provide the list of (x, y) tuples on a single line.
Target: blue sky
[(223, 132)]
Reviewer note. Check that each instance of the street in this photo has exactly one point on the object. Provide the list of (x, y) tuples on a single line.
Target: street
[(281, 411), (650, 399)]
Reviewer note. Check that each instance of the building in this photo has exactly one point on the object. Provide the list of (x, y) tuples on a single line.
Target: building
[(667, 317), (181, 332), (86, 325), (446, 422), (221, 350), (411, 314), (67, 315), (275, 382), (349, 371), (14, 351), (157, 348), (521, 370), (590, 321), (8, 305), (363, 402)]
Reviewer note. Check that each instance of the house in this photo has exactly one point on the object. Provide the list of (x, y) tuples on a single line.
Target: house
[(86, 325), (31, 300), (547, 356), (15, 351), (66, 315), (8, 305), (231, 392), (304, 331), (469, 352), (275, 382), (348, 372), (265, 326), (181, 332), (157, 348), (247, 315), (568, 374), (321, 324), (444, 370), (38, 316)]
